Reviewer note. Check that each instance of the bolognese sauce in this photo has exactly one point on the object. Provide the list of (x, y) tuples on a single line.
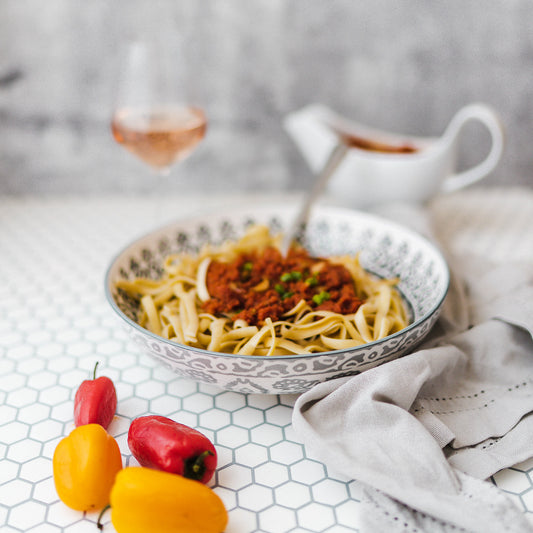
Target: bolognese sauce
[(261, 285)]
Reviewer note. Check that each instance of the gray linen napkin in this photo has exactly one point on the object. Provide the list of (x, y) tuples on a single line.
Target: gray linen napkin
[(422, 433)]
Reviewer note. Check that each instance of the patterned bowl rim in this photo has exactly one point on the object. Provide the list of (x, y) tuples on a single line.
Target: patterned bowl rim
[(276, 210)]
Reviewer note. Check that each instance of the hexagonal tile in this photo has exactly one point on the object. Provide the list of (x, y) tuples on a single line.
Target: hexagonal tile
[(60, 515), (7, 366), (266, 434), (280, 415), (251, 454), (44, 491), (165, 406), (21, 397), (255, 498), (45, 528), (329, 492), (123, 360), (11, 382), (184, 417), (45, 430), (55, 394), (38, 337), (234, 477), (14, 492), (67, 337), (31, 365), (292, 494), (150, 389), (214, 419), (262, 401), (24, 450), (36, 469), (8, 413), (271, 474), (316, 517), (72, 378), (31, 414), (132, 407), (287, 452), (348, 513), (8, 471), (277, 520), (224, 455), (62, 412), (80, 348), (124, 390), (135, 375), (248, 417), (232, 437), (197, 403), (48, 448), (230, 401), (242, 520), (49, 349), (3, 519), (307, 471), (27, 515), (14, 431), (182, 387), (109, 347)]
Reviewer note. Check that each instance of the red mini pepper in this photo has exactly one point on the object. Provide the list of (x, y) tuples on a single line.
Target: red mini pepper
[(163, 444), (95, 401)]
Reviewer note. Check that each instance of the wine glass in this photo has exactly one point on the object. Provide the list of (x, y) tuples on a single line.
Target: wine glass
[(154, 117)]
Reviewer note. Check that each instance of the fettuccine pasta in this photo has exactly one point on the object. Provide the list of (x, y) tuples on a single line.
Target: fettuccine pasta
[(244, 298)]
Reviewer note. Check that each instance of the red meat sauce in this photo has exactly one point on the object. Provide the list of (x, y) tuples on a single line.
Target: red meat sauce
[(256, 286)]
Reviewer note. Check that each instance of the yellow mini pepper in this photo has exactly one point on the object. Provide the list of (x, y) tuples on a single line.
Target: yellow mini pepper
[(85, 465), (144, 500)]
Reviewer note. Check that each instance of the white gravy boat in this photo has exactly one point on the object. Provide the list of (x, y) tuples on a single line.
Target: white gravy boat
[(384, 167)]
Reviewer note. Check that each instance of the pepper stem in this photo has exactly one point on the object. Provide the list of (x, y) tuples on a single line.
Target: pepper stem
[(95, 367), (195, 467), (99, 524)]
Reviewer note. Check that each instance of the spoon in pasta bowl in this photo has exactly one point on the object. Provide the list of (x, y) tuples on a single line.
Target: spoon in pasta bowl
[(297, 226)]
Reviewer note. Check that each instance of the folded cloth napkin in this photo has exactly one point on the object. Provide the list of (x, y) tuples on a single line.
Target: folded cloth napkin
[(423, 432)]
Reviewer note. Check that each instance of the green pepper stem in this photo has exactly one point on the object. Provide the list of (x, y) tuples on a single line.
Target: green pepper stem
[(195, 467), (95, 367), (99, 524)]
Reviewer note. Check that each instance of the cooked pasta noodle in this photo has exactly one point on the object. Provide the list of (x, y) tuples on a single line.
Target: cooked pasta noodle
[(180, 305)]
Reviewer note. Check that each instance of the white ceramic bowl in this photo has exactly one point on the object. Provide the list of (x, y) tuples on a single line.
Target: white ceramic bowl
[(386, 249)]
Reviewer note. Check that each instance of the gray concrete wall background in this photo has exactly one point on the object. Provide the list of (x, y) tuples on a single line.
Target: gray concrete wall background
[(406, 66)]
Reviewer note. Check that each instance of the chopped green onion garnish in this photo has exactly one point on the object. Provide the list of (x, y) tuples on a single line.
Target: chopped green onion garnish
[(291, 276), (280, 289), (247, 266), (312, 281), (321, 297)]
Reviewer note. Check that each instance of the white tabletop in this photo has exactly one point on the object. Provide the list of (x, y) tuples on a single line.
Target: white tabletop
[(55, 323)]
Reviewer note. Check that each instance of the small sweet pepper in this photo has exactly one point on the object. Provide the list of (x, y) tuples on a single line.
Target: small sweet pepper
[(163, 444), (85, 464), (95, 401), (144, 499)]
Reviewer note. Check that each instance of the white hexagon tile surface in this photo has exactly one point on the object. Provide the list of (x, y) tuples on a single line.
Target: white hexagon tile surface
[(55, 324)]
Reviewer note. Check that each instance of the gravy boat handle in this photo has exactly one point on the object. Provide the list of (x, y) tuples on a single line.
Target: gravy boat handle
[(485, 115)]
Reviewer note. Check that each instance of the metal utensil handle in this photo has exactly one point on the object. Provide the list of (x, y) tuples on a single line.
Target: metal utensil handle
[(297, 225)]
